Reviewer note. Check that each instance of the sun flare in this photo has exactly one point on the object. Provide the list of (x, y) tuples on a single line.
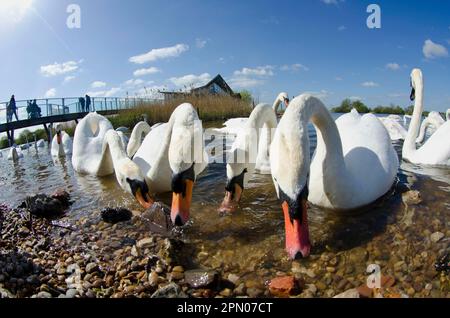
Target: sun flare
[(14, 10)]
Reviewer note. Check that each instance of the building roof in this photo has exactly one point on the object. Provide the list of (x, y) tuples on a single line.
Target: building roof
[(218, 80)]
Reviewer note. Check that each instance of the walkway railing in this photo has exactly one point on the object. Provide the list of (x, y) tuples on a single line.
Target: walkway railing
[(71, 105)]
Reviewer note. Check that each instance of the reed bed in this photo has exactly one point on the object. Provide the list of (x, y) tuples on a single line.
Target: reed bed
[(209, 108)]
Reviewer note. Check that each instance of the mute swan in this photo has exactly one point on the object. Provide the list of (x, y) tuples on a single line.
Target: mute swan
[(98, 150), (393, 124), (436, 150), (354, 164), (171, 157), (432, 123), (14, 154), (249, 153), (61, 143), (234, 125)]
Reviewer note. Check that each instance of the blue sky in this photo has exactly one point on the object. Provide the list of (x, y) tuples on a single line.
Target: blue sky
[(318, 46)]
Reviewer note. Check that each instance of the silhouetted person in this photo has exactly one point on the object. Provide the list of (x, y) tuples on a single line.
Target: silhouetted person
[(13, 108), (36, 109), (88, 103), (82, 104)]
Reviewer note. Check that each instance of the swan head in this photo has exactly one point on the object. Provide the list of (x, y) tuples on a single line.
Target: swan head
[(284, 98), (237, 175), (58, 129), (416, 78), (131, 179), (290, 166), (186, 156), (182, 187)]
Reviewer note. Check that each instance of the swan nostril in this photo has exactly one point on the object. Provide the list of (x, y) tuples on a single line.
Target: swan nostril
[(178, 221), (298, 255)]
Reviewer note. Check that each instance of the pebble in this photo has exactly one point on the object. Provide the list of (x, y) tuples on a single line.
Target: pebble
[(284, 286), (233, 278), (44, 294), (437, 236), (145, 243), (71, 293), (254, 292), (91, 268), (351, 293)]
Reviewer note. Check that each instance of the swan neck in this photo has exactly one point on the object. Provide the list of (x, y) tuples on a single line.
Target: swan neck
[(276, 104), (414, 126)]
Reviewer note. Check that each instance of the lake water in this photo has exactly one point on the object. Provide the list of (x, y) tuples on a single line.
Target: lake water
[(251, 242)]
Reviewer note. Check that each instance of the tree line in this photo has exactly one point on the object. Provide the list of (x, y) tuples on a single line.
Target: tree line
[(347, 105)]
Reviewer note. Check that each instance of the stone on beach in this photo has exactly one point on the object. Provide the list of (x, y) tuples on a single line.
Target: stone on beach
[(283, 286), (113, 216)]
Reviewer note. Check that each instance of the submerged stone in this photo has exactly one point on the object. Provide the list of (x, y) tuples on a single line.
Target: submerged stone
[(113, 216), (200, 278)]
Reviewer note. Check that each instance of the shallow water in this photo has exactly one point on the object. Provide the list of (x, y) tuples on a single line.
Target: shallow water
[(251, 242)]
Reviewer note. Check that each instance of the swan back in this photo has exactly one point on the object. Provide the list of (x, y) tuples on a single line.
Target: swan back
[(88, 143)]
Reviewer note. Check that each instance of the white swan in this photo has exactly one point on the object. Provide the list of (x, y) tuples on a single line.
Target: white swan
[(249, 154), (354, 164), (40, 143), (436, 150), (234, 126), (15, 153), (98, 150), (61, 143), (171, 157), (394, 126), (430, 125)]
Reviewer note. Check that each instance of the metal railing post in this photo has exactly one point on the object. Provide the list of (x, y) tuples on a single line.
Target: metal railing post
[(63, 106), (117, 106), (46, 104)]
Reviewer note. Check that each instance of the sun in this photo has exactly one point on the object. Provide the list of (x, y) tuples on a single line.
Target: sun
[(14, 10)]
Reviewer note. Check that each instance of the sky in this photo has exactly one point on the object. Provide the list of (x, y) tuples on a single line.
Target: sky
[(323, 47)]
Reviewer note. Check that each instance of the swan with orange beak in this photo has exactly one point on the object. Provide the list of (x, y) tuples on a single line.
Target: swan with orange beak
[(171, 156)]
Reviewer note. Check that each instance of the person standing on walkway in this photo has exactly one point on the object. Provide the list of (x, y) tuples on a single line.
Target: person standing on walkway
[(88, 103), (82, 104), (13, 108)]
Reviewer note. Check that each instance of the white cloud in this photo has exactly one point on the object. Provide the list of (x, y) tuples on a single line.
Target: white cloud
[(433, 50), (370, 84), (258, 71), (200, 43), (50, 93), (149, 92), (338, 78), (353, 98), (335, 2), (397, 95), (342, 28), (393, 66), (106, 93), (191, 80), (159, 54), (322, 94), (245, 82), (146, 71), (134, 82), (98, 84), (56, 69), (69, 78), (294, 67)]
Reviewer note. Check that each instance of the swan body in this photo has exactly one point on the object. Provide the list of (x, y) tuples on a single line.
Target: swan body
[(14, 154), (171, 156), (98, 150), (61, 143), (234, 126), (436, 150), (337, 177), (394, 126), (432, 123), (40, 143)]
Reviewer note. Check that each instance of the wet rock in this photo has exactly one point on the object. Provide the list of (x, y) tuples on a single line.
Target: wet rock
[(351, 293), (62, 196), (71, 293), (443, 264), (200, 278), (153, 279), (145, 243), (412, 197), (44, 294), (240, 290), (226, 292), (44, 206), (233, 278), (178, 269), (91, 268), (4, 293), (171, 290), (254, 292), (177, 275), (157, 219), (283, 286), (115, 215), (436, 237)]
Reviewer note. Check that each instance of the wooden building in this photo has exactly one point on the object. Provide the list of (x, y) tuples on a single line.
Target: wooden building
[(216, 86)]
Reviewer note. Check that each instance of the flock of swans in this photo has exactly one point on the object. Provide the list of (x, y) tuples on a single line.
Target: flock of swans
[(168, 157)]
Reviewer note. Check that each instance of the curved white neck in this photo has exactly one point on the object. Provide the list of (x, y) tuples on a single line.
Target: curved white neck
[(294, 129), (112, 152), (140, 130), (414, 126), (423, 128)]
